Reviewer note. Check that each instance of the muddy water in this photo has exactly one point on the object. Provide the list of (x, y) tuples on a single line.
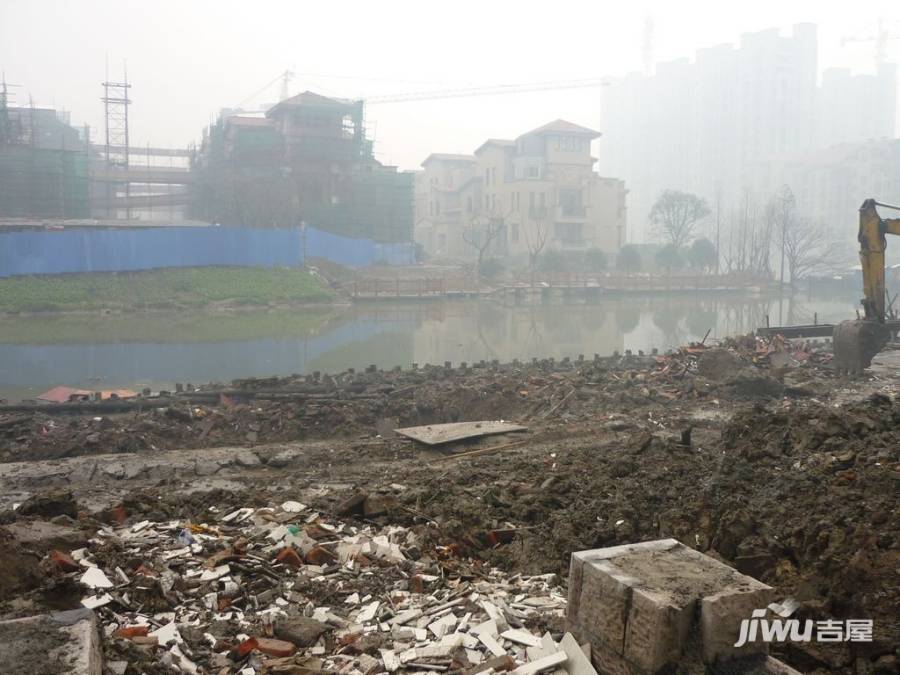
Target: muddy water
[(37, 353)]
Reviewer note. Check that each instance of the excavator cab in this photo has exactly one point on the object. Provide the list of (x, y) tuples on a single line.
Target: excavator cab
[(857, 342)]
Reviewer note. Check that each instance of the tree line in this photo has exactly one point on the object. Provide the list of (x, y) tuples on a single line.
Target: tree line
[(761, 238)]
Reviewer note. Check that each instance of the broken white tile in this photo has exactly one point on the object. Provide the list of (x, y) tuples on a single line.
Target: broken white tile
[(545, 663), (167, 633), (491, 643), (390, 660), (406, 616), (522, 637), (495, 614), (474, 656), (408, 655), (215, 573), (176, 553), (94, 577), (469, 641), (443, 625), (183, 662), (368, 612), (237, 516), (292, 507), (489, 627), (94, 601), (143, 525), (433, 651), (578, 663), (276, 534), (352, 599)]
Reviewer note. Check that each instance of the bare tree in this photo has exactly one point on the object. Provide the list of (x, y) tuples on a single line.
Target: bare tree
[(675, 215), (535, 242), (806, 249), (481, 232), (784, 206), (750, 238)]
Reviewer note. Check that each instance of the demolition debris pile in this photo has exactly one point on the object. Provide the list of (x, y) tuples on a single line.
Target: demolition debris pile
[(257, 411), (285, 590)]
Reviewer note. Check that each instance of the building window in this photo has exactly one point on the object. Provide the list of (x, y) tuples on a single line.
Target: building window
[(437, 208), (532, 172), (487, 176), (541, 201), (515, 233), (468, 205)]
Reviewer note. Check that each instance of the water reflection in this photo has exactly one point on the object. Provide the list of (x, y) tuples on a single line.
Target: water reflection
[(156, 351)]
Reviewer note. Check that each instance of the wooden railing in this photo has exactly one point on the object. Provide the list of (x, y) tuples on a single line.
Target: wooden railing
[(414, 288)]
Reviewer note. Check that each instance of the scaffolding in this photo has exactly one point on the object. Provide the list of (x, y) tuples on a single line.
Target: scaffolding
[(115, 106)]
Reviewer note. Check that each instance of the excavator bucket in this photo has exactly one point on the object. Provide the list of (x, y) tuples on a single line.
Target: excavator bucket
[(857, 342)]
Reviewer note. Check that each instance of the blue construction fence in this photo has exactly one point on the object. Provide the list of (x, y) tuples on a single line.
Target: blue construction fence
[(118, 249)]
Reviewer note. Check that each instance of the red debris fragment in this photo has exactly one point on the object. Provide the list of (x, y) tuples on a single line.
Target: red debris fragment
[(130, 632), (246, 647), (143, 570), (319, 556), (64, 561), (289, 556), (118, 514)]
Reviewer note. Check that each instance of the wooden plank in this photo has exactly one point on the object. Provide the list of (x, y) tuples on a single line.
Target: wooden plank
[(437, 434)]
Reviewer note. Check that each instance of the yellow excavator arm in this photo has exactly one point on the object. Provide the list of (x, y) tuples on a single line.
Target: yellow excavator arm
[(872, 244), (856, 342)]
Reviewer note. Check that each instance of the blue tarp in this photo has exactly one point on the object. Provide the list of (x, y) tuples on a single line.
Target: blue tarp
[(129, 249)]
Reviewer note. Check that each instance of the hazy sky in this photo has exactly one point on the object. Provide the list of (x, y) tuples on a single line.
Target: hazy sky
[(189, 58)]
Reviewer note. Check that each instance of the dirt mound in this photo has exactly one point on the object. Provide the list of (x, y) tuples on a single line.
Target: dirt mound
[(804, 499)]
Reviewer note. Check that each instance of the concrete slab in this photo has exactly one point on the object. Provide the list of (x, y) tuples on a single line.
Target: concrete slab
[(61, 643), (438, 434)]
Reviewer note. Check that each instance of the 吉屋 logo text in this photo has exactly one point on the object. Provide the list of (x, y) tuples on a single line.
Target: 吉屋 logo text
[(758, 628)]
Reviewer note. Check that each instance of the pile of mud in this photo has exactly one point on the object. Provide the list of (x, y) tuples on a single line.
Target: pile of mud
[(804, 499)]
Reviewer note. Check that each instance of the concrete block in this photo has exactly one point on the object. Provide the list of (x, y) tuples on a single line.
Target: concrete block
[(721, 615), (657, 629), (62, 642), (609, 663), (605, 597), (637, 606)]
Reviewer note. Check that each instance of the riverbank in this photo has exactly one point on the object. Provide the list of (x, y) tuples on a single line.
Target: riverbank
[(166, 289)]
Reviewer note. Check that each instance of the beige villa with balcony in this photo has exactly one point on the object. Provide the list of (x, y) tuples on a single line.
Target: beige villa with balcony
[(540, 186)]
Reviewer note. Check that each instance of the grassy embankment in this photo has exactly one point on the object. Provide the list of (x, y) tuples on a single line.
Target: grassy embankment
[(189, 288)]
